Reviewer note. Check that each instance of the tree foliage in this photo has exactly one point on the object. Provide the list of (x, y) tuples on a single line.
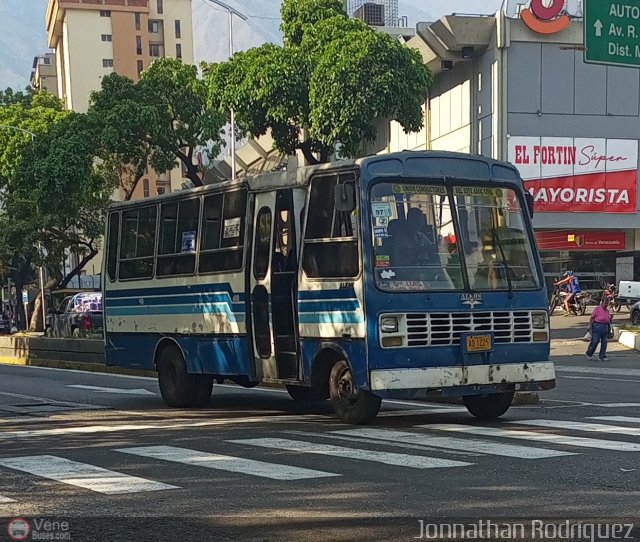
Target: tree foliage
[(53, 198), (326, 87), (157, 122)]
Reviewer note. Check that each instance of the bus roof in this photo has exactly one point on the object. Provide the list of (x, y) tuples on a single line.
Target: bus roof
[(405, 164)]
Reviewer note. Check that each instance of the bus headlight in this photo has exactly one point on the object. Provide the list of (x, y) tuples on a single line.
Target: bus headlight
[(389, 324), (539, 320)]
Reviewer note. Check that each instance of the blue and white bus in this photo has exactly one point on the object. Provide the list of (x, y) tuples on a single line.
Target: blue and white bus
[(405, 275)]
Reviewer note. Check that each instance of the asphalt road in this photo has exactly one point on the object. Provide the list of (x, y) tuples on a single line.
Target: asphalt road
[(102, 453)]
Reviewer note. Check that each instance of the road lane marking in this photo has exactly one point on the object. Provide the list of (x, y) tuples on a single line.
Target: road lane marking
[(82, 475), (475, 445), (624, 419), (182, 424), (598, 370), (47, 400), (388, 458), (421, 411), (541, 437), (114, 391), (5, 500), (228, 463), (581, 426), (566, 377)]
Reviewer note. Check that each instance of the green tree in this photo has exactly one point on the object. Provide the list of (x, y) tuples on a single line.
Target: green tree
[(157, 122), (21, 114), (326, 87)]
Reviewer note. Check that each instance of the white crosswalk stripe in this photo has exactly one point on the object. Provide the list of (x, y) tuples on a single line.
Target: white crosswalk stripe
[(613, 445), (5, 500), (621, 419), (228, 463), (400, 460), (582, 426), (468, 445), (82, 475)]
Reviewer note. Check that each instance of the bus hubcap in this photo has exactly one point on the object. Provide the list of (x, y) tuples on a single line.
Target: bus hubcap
[(346, 390)]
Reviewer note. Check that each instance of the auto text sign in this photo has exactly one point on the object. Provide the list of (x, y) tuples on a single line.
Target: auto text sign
[(612, 32), (588, 175)]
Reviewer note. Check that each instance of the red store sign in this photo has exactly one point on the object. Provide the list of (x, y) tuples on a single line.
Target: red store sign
[(578, 174), (585, 241)]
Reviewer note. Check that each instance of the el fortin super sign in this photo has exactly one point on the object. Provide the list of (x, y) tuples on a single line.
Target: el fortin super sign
[(612, 32)]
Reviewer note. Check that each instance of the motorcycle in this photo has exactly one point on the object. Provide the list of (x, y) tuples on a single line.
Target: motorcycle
[(577, 305), (611, 293)]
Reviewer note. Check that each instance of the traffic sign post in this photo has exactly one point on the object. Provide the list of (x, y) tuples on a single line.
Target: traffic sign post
[(612, 32)]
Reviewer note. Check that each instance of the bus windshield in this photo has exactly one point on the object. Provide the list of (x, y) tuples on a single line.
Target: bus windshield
[(418, 246)]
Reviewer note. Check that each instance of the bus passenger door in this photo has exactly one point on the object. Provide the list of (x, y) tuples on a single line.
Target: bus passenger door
[(273, 287)]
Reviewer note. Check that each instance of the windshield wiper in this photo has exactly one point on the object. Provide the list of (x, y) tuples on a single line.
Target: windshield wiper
[(507, 269)]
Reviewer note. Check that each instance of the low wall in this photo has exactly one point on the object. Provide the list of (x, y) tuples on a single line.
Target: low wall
[(27, 349)]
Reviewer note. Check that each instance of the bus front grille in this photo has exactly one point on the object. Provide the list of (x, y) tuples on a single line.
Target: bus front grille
[(445, 329)]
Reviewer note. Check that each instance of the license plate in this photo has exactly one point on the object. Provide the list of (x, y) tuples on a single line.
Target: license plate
[(478, 343)]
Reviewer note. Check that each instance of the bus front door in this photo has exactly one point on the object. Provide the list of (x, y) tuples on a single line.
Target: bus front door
[(273, 287)]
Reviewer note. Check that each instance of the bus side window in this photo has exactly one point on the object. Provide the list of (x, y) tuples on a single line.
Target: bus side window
[(178, 237), (137, 245), (223, 232), (112, 249), (331, 237)]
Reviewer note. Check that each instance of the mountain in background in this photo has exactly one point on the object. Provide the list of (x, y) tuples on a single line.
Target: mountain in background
[(23, 33)]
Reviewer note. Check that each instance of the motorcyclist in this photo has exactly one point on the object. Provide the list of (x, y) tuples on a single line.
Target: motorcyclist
[(573, 285)]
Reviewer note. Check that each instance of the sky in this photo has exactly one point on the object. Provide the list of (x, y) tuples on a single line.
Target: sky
[(23, 35)]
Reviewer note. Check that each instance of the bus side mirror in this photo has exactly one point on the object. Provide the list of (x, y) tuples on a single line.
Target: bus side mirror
[(345, 197), (529, 198)]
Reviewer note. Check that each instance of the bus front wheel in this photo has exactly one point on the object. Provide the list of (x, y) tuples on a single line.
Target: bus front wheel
[(350, 404), (489, 406)]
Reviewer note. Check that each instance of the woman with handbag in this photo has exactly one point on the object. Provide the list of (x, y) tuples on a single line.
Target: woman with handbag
[(599, 325)]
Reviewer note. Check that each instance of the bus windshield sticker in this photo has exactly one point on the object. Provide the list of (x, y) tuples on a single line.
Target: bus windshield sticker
[(188, 241), (232, 228), (382, 260), (419, 189), (478, 191), (382, 209), (380, 233)]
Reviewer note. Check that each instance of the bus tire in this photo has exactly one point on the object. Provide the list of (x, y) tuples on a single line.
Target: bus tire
[(304, 393), (350, 404), (487, 407), (177, 387), (204, 388)]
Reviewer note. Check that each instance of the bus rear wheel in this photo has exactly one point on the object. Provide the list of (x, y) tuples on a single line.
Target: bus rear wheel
[(487, 407), (178, 388), (350, 404)]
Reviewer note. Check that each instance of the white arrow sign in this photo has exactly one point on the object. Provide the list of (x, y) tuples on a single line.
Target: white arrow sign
[(598, 26)]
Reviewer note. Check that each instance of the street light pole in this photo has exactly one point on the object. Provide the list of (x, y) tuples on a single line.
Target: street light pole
[(41, 269), (231, 11)]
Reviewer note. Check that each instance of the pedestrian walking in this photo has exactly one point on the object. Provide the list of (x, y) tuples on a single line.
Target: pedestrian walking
[(599, 326)]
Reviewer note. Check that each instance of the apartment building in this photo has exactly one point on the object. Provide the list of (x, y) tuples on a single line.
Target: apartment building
[(43, 73)]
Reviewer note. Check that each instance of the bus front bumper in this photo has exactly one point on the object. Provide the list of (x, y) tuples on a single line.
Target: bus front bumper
[(434, 378)]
